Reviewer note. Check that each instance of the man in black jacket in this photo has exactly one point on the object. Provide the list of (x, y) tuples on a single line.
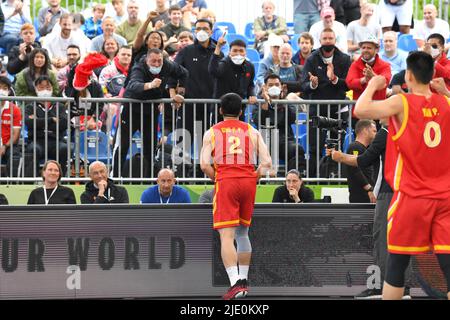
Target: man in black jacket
[(200, 84), (323, 78), (18, 55), (101, 189), (234, 73), (148, 81), (46, 124)]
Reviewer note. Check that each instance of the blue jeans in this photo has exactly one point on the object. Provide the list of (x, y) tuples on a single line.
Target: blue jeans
[(7, 41), (304, 21)]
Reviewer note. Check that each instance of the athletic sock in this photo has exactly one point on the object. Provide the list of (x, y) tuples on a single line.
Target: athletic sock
[(233, 275), (243, 272)]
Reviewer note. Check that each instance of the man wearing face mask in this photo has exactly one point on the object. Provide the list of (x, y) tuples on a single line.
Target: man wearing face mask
[(366, 67), (46, 123), (233, 74), (323, 78), (435, 47), (149, 80), (200, 83)]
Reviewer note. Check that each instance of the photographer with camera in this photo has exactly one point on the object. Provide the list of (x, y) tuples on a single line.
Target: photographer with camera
[(19, 55)]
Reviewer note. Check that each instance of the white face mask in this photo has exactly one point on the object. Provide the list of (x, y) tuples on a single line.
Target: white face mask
[(44, 93), (238, 60), (368, 61), (274, 91), (435, 52), (202, 36), (327, 60), (4, 93), (155, 70)]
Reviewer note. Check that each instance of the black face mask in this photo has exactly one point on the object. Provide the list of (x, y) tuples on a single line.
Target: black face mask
[(328, 48)]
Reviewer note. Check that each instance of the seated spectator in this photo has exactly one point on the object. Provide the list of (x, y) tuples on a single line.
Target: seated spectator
[(391, 54), (49, 16), (46, 123), (174, 27), (130, 27), (267, 24), (110, 48), (2, 20), (165, 191), (207, 196), (92, 27), (18, 56), (402, 10), (78, 22), (101, 189), (16, 14), (359, 29), (161, 16), (294, 191), (208, 14), (52, 192), (430, 24), (306, 44), (112, 79), (39, 65), (73, 56), (108, 27), (435, 46), (290, 74), (184, 39), (118, 12), (328, 21), (3, 199), (274, 42), (9, 113), (57, 43)]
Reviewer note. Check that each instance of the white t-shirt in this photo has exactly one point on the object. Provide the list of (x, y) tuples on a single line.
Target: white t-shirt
[(338, 28), (57, 46), (422, 32)]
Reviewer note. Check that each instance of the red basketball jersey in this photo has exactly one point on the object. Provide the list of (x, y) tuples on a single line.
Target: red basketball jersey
[(232, 150), (418, 150)]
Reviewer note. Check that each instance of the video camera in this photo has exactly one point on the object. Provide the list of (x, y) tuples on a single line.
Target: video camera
[(328, 123)]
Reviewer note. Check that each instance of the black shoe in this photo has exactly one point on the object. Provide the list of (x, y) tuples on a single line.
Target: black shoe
[(406, 294), (244, 284), (369, 294)]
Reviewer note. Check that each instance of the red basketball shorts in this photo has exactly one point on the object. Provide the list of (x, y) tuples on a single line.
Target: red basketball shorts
[(418, 225), (234, 200)]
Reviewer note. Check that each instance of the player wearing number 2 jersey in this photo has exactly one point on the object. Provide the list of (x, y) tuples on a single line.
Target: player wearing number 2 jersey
[(418, 169), (228, 157)]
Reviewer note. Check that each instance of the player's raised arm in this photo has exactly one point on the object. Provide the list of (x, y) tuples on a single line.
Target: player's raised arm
[(205, 156)]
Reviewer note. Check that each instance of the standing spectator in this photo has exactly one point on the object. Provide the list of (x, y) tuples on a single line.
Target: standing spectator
[(233, 73), (92, 27), (294, 190), (46, 123), (391, 54), (118, 13), (274, 43), (57, 43), (38, 65), (358, 30), (165, 191), (200, 83), (9, 114), (307, 13), (16, 14), (435, 46), (366, 67), (162, 14), (129, 28), (267, 24), (109, 28), (328, 21), (101, 189), (346, 10), (19, 56), (148, 80), (359, 180), (49, 16), (174, 27), (430, 24), (306, 44), (323, 78), (392, 9), (73, 56), (52, 192)]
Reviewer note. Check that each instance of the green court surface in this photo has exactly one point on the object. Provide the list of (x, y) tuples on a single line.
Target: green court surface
[(18, 194)]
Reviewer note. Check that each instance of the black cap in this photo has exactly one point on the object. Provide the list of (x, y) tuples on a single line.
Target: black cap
[(6, 81)]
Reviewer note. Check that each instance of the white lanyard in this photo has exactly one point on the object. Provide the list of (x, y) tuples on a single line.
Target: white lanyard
[(45, 194), (161, 200)]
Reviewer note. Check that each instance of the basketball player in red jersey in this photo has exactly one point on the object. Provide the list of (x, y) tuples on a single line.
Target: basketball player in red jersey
[(231, 145), (417, 168)]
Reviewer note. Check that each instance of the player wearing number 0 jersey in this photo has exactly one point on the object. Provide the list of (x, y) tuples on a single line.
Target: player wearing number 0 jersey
[(228, 157), (417, 168)]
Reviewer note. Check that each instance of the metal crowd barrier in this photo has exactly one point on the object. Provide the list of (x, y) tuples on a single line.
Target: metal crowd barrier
[(170, 144)]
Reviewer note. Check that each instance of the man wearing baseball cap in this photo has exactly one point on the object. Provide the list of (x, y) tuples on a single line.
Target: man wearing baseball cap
[(366, 67), (328, 21)]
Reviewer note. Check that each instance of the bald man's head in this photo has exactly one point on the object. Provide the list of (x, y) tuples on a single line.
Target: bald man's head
[(430, 14), (166, 181), (98, 171)]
